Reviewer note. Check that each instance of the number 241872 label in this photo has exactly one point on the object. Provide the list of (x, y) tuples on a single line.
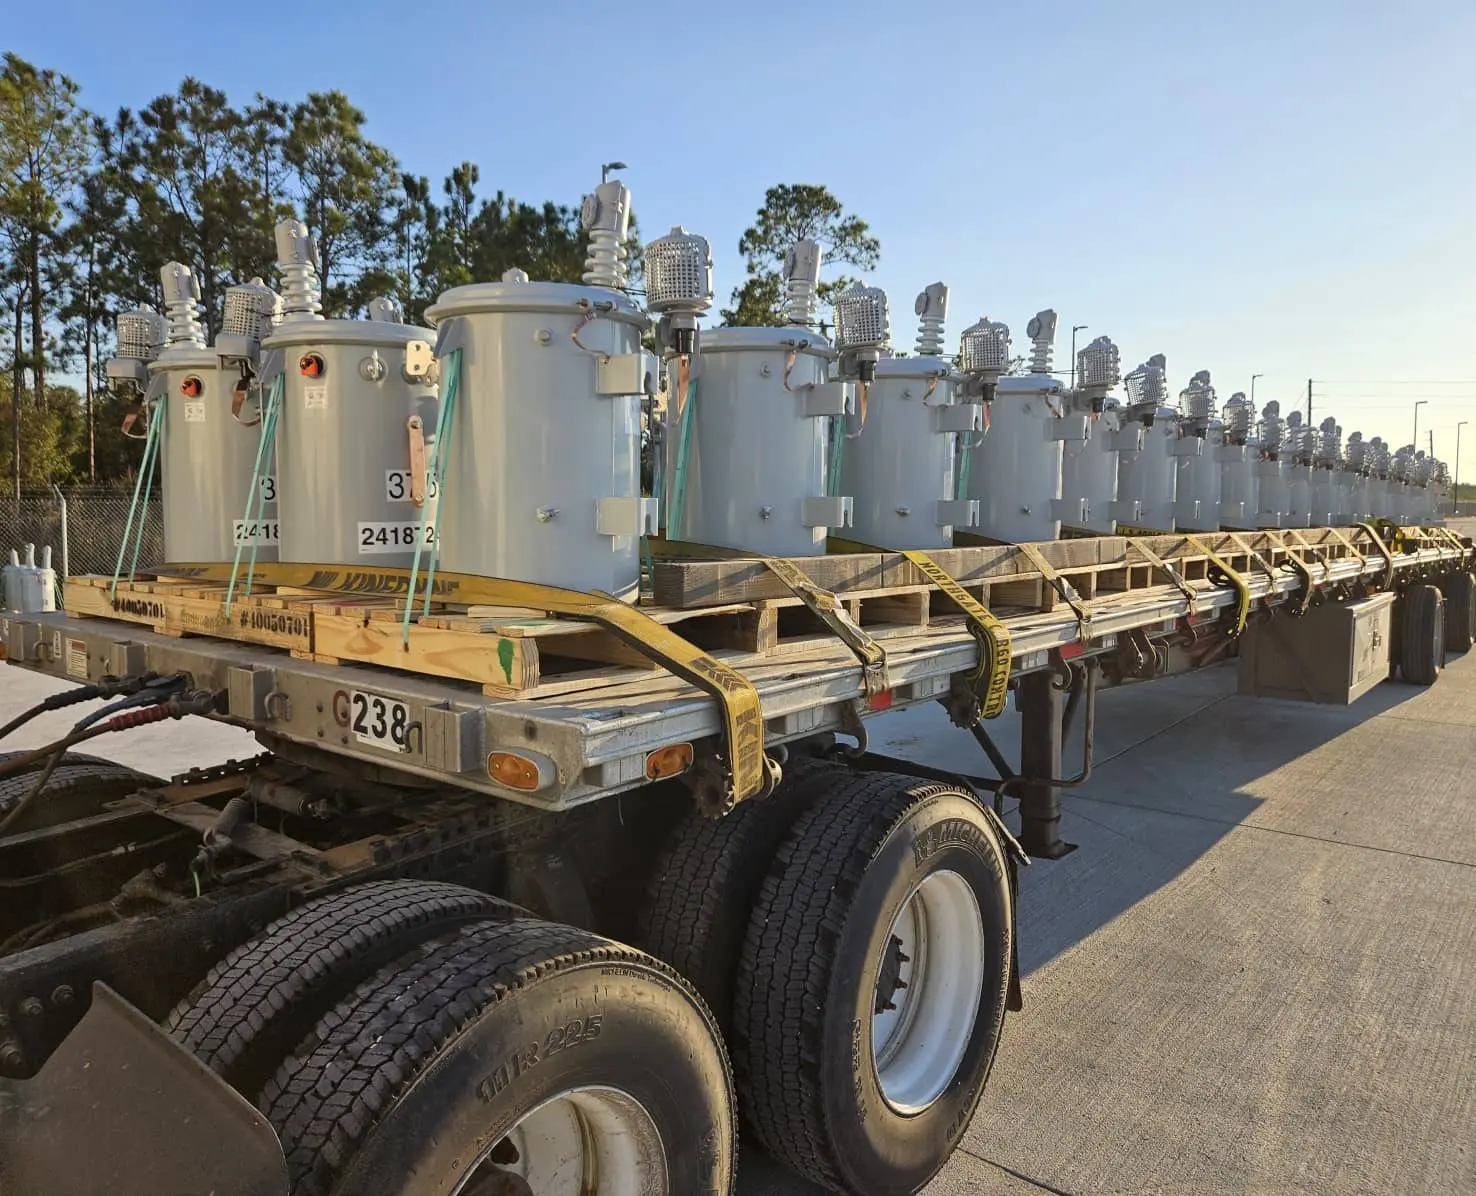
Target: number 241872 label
[(393, 537)]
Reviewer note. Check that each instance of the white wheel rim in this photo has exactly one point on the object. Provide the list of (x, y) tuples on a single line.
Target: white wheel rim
[(918, 1044), (592, 1141)]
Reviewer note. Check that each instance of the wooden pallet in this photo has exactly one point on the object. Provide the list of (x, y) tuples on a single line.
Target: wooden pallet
[(999, 574), (508, 652)]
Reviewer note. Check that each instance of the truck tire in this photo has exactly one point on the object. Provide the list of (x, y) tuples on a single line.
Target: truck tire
[(872, 987), (75, 789), (1422, 635), (703, 888), (67, 758), (511, 1050), (1460, 611), (255, 1005)]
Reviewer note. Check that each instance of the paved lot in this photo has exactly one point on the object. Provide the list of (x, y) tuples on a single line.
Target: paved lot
[(1257, 974)]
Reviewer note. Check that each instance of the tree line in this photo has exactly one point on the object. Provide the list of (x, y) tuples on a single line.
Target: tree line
[(92, 206)]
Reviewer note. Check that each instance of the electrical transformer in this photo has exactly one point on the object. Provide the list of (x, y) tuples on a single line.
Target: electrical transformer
[(1271, 496), (1200, 434), (1089, 467), (1238, 454), (1297, 455), (542, 478), (1016, 470), (899, 472), (1327, 496), (751, 443), (208, 434), (1147, 474), (1380, 463), (355, 426), (1353, 491)]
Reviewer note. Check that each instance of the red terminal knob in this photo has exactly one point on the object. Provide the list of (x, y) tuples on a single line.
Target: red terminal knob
[(311, 365), (191, 388)]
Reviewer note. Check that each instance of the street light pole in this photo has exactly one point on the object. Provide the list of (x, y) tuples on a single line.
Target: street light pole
[(1418, 404), (1253, 387), (1455, 490), (1075, 328), (607, 167)]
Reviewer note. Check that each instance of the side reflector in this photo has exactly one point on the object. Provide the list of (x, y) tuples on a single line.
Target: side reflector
[(881, 701), (669, 761), (528, 773)]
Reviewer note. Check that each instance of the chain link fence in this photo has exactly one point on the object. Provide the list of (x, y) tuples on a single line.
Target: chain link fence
[(84, 527)]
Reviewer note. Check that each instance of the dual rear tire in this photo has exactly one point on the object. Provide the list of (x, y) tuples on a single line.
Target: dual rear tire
[(417, 1037)]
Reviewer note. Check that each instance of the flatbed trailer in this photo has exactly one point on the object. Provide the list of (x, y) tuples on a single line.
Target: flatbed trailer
[(367, 941)]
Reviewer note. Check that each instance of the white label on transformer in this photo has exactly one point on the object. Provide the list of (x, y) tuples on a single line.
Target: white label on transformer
[(77, 658), (397, 485), (194, 413), (315, 397), (259, 531), (392, 537)]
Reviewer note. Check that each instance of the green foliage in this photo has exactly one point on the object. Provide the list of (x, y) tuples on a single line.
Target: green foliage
[(91, 208), (796, 212)]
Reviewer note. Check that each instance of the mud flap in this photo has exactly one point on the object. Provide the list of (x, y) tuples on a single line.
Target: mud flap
[(122, 1108)]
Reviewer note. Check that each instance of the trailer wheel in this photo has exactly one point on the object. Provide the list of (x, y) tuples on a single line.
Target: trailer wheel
[(511, 1057), (256, 1004), (1460, 611), (76, 788), (872, 987), (703, 888), (1422, 635)]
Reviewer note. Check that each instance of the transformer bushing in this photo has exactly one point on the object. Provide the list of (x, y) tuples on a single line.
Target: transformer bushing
[(1271, 496), (1327, 489), (1354, 490)]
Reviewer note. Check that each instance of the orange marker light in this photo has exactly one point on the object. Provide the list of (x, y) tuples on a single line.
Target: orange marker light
[(191, 388), (311, 365), (515, 772), (669, 761)]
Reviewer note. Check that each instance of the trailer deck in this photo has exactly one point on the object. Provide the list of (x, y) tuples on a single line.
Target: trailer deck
[(597, 728)]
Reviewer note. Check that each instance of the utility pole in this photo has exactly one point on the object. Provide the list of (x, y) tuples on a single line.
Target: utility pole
[(1455, 490), (1432, 444), (1309, 402)]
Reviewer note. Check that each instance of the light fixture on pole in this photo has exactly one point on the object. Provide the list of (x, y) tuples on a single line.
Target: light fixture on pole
[(1075, 328), (1253, 388), (1415, 440), (1455, 489)]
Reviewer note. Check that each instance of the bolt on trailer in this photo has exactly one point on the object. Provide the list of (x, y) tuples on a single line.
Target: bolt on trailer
[(525, 887)]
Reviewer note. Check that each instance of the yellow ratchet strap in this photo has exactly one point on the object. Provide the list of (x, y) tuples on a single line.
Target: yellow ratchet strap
[(743, 724), (1222, 574), (831, 611), (991, 677), (1372, 531), (1063, 587), (1168, 570)]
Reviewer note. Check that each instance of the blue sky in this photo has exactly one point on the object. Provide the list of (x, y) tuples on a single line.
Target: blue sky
[(1274, 188)]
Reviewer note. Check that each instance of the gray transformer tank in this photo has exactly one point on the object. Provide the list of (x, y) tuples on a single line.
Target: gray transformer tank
[(346, 462), (542, 478)]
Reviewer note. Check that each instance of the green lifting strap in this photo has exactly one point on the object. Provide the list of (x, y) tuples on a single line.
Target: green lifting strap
[(254, 498), (143, 488)]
